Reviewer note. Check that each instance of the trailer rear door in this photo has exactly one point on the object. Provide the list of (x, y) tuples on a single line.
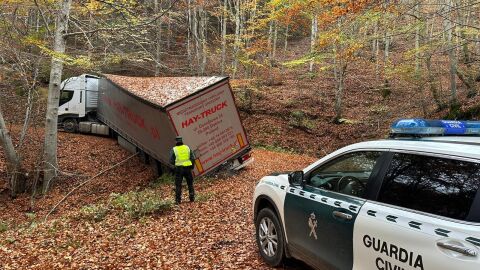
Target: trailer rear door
[(210, 124)]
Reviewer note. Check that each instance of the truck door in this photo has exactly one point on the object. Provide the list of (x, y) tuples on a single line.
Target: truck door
[(425, 217), (320, 217), (64, 102)]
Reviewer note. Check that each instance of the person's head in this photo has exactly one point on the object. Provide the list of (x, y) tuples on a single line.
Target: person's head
[(178, 140)]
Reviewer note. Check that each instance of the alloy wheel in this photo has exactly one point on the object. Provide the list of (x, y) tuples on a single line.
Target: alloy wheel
[(268, 237)]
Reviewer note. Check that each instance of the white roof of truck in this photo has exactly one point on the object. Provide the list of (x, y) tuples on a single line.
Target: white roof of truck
[(163, 91), (79, 83)]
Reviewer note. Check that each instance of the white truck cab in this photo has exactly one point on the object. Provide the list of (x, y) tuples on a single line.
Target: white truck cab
[(78, 102)]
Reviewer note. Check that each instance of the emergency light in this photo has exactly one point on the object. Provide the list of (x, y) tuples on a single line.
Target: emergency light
[(424, 127)]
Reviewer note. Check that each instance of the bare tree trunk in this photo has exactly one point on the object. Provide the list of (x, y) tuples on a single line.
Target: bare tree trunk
[(243, 23), (253, 17), (464, 17), (285, 46), (432, 83), (37, 25), (50, 144), (189, 32), (196, 37), (386, 54), (478, 44), (247, 38), (339, 72), (169, 26), (339, 69), (418, 73), (386, 59), (376, 52), (203, 38), (313, 38), (236, 44), (275, 34), (467, 75), (270, 40), (452, 57), (158, 39), (417, 38), (13, 161), (224, 35)]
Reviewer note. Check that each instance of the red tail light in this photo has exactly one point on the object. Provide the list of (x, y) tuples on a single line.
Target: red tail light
[(246, 157)]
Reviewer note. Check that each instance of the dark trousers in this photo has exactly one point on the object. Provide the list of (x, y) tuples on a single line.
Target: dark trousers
[(181, 172)]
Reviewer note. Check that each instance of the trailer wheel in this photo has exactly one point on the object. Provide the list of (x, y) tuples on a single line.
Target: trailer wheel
[(70, 125)]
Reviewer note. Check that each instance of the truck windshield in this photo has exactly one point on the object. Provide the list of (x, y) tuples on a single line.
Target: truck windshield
[(65, 96)]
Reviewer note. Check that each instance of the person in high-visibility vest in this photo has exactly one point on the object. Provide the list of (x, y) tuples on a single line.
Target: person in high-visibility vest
[(183, 158)]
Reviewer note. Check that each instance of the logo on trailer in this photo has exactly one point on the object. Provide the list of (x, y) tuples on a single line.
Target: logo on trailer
[(204, 114), (312, 223)]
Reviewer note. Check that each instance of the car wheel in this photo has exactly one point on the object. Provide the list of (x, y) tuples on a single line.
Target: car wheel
[(270, 240), (70, 125)]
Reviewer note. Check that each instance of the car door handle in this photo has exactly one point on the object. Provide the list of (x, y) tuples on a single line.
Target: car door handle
[(342, 215), (460, 249)]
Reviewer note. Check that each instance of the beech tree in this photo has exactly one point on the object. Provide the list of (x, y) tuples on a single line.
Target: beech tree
[(51, 122)]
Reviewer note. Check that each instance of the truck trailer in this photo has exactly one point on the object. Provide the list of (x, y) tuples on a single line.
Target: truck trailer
[(147, 113)]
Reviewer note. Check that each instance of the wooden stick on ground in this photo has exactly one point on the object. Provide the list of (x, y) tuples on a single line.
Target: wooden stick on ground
[(85, 182)]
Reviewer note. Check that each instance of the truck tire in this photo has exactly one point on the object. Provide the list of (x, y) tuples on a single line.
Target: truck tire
[(269, 236), (70, 125)]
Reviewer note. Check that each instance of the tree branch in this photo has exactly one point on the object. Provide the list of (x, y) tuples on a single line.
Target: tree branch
[(43, 17), (85, 182), (101, 29)]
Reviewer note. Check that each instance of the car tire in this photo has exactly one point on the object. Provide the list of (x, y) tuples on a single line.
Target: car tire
[(70, 125), (269, 236)]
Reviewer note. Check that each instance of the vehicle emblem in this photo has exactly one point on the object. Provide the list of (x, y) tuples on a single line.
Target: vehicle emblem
[(312, 223)]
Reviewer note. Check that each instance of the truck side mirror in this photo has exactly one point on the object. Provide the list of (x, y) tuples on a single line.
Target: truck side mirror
[(296, 178)]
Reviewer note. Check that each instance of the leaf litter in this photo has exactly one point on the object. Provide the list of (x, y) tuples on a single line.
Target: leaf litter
[(216, 232)]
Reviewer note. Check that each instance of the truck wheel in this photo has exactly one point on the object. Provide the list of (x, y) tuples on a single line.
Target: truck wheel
[(70, 125), (270, 240)]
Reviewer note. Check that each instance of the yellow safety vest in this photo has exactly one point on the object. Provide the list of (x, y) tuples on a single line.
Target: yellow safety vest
[(182, 156)]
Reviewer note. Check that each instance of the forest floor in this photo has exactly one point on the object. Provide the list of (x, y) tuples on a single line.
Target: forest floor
[(215, 232)]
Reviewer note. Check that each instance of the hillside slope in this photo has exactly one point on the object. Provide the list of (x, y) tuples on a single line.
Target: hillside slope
[(216, 232)]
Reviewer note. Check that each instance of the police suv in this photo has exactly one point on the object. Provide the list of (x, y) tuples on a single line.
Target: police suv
[(409, 202)]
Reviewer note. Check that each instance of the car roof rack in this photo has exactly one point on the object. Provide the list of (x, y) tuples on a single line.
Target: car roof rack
[(419, 128)]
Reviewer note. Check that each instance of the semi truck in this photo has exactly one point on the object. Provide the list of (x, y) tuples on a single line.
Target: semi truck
[(146, 114)]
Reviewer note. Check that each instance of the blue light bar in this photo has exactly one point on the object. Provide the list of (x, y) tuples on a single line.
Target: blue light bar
[(423, 127)]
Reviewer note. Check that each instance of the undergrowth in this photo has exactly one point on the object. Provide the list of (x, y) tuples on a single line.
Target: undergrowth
[(3, 227), (164, 179), (133, 204), (94, 212), (136, 204), (275, 148), (300, 120)]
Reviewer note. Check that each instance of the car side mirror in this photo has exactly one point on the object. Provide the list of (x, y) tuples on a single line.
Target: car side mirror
[(296, 178)]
